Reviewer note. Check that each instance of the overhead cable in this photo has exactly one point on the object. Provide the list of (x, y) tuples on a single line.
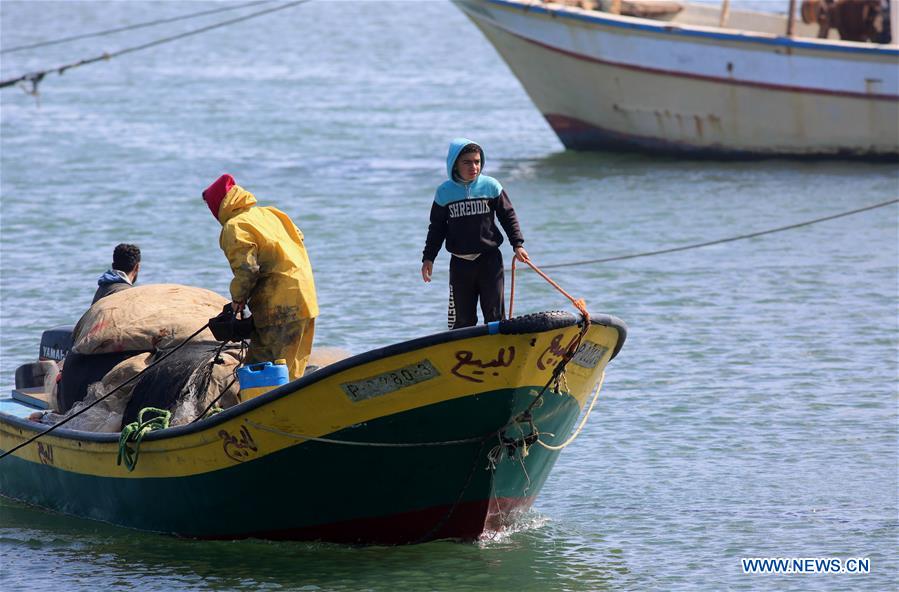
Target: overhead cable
[(130, 27), (722, 240), (35, 77)]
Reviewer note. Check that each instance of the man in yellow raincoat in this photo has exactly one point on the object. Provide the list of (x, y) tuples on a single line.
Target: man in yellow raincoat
[(272, 274)]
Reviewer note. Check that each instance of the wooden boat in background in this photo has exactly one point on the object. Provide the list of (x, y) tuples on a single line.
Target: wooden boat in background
[(697, 82), (437, 437)]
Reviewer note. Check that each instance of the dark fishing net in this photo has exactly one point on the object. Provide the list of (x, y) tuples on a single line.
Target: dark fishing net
[(80, 371), (185, 383)]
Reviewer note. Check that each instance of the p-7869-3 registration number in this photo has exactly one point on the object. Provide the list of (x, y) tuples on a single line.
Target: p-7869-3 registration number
[(388, 382)]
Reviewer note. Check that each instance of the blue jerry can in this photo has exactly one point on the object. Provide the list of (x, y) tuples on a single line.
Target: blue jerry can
[(256, 379)]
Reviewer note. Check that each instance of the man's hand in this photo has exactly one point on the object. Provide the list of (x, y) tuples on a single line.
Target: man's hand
[(237, 307), (521, 254), (427, 268)]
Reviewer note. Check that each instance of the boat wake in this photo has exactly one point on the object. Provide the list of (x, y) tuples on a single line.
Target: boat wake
[(527, 521)]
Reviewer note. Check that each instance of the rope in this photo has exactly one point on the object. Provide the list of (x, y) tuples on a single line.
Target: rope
[(135, 432), (367, 444), (110, 393), (720, 241), (574, 344), (35, 77), (583, 421), (130, 27), (214, 401), (207, 378), (577, 302), (240, 359)]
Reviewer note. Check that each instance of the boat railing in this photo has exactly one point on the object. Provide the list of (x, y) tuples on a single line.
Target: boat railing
[(800, 18)]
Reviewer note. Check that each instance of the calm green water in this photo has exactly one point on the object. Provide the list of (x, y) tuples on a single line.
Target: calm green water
[(752, 412)]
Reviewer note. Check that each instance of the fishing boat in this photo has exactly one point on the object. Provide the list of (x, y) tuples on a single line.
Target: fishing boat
[(693, 79), (445, 436)]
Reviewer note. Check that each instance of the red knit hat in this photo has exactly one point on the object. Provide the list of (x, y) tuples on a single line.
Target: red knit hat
[(215, 193)]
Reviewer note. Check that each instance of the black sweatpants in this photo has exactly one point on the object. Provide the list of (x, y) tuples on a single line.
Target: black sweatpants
[(470, 280)]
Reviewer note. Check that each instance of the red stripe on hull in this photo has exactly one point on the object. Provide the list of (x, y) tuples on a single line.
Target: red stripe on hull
[(465, 521), (707, 78)]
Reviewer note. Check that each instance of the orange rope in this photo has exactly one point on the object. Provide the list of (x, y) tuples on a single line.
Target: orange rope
[(577, 302)]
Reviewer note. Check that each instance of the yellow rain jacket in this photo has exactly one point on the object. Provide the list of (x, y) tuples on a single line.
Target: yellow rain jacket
[(272, 274)]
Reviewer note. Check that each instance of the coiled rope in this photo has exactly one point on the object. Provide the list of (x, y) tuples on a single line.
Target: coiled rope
[(35, 78), (130, 27), (134, 433)]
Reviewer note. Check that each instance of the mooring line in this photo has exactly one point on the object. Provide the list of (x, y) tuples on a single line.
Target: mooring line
[(131, 27), (722, 240), (35, 78)]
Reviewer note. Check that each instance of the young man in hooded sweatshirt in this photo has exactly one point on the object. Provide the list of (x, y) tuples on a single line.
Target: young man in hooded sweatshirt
[(464, 214), (272, 275), (122, 274)]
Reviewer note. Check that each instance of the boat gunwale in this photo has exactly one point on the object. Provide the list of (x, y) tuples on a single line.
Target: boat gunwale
[(717, 33), (324, 373)]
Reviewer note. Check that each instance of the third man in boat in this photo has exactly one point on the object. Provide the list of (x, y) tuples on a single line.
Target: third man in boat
[(123, 273), (464, 214), (272, 274)]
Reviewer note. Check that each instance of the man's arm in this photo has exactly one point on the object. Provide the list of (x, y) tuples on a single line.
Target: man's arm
[(509, 221)]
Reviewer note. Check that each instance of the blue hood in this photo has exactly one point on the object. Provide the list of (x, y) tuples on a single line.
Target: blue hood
[(455, 148), (113, 276)]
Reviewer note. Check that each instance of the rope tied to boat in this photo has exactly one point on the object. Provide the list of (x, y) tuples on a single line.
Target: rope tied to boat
[(134, 433), (576, 432), (578, 303), (296, 436), (558, 376)]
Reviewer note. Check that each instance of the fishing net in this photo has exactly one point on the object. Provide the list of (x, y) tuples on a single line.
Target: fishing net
[(186, 383), (105, 415)]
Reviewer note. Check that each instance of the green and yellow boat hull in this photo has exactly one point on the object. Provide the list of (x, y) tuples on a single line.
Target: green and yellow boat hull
[(427, 439)]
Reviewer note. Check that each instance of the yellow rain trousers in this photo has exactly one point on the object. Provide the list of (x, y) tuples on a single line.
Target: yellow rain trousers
[(272, 274)]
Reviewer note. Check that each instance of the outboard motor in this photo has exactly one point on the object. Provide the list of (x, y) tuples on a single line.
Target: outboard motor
[(55, 344)]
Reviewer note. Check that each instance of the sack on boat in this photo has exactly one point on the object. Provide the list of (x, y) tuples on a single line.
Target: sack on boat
[(146, 318), (51, 384), (105, 416), (187, 383), (324, 356), (80, 371)]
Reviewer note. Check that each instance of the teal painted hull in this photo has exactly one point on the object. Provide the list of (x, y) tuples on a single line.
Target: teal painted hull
[(326, 491)]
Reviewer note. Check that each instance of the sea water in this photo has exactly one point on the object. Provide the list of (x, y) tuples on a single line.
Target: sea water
[(751, 413)]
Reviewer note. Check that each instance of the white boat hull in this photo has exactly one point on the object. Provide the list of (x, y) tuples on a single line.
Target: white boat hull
[(610, 82)]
